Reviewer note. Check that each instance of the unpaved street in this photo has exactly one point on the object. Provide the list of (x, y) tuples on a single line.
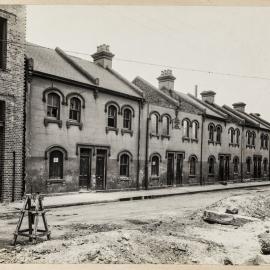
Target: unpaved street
[(165, 230)]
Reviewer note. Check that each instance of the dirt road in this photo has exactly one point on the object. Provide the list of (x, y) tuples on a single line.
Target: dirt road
[(166, 230)]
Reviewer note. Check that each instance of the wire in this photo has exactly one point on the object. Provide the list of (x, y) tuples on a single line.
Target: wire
[(210, 72)]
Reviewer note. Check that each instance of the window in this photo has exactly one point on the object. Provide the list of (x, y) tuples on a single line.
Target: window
[(211, 163), (112, 116), (3, 43), (192, 165), (154, 124), (195, 130), (237, 133), (75, 109), (56, 165), (166, 125), (218, 138), (248, 165), (249, 137), (53, 106), (211, 133), (127, 119), (266, 141), (124, 165), (253, 135), (186, 128), (231, 132), (155, 166), (265, 165), (235, 165)]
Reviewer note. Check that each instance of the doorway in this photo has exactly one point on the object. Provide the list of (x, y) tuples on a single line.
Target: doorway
[(170, 169), (85, 168), (179, 168), (101, 169)]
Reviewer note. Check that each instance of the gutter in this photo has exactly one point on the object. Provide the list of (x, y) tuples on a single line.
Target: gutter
[(146, 149), (201, 161), (139, 147), (241, 152)]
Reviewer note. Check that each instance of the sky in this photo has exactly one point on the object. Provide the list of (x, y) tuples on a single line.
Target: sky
[(231, 40)]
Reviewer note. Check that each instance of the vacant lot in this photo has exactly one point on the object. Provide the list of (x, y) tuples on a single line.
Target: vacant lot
[(166, 230)]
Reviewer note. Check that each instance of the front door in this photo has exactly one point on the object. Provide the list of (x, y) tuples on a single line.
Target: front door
[(221, 168), (227, 168), (85, 168), (101, 168), (170, 169), (255, 168), (179, 169)]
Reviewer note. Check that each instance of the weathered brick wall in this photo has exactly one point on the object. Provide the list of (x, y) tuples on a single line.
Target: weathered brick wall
[(12, 93)]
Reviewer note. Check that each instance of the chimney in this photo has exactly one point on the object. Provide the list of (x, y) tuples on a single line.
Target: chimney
[(196, 91), (208, 96), (166, 80), (239, 106), (103, 56)]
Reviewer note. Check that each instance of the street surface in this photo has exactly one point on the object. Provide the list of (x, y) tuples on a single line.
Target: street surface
[(165, 230)]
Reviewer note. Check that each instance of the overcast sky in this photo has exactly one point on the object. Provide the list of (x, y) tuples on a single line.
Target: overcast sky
[(233, 40)]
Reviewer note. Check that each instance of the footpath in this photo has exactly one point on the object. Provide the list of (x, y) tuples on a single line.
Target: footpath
[(87, 198)]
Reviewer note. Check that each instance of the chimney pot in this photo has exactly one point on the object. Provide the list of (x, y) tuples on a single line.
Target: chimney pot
[(103, 56), (166, 80), (208, 96), (239, 106)]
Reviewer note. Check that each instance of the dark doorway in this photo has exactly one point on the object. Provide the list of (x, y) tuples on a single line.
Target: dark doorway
[(179, 169), (227, 168), (255, 168), (221, 168), (85, 168), (101, 169), (170, 169)]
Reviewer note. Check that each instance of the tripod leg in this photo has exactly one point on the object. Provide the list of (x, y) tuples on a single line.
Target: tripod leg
[(35, 227), (46, 226)]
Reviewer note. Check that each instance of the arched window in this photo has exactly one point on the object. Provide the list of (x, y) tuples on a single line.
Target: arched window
[(248, 137), (211, 164), (127, 119), (265, 163), (56, 165), (124, 165), (192, 165), (166, 125), (262, 141), (218, 138), (236, 165), (237, 134), (266, 141), (231, 134), (211, 132), (75, 109), (155, 166), (53, 106), (195, 130), (112, 116), (248, 165), (154, 124), (253, 136), (186, 128)]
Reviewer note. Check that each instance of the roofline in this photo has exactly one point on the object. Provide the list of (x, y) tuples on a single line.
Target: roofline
[(85, 85), (260, 119), (157, 90), (124, 80), (207, 105), (77, 66), (237, 114)]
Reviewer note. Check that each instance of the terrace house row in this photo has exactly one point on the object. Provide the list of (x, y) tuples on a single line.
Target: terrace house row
[(88, 127)]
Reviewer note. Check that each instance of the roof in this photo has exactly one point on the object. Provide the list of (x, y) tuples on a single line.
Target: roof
[(57, 63)]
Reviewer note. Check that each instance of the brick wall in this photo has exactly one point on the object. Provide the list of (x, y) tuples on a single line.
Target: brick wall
[(12, 95)]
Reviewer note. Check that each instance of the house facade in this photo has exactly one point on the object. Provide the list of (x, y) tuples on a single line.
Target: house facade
[(83, 124), (12, 73)]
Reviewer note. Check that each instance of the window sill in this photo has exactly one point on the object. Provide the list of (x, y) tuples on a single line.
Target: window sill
[(55, 181), (192, 176), (194, 140), (185, 139), (217, 143), (250, 146), (211, 142), (264, 148), (165, 137), (154, 177), (116, 130), (211, 175), (52, 120), (124, 178), (128, 131), (234, 144), (74, 123), (154, 135)]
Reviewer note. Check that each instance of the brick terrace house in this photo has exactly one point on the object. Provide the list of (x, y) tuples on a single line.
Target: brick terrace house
[(12, 39), (83, 124)]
